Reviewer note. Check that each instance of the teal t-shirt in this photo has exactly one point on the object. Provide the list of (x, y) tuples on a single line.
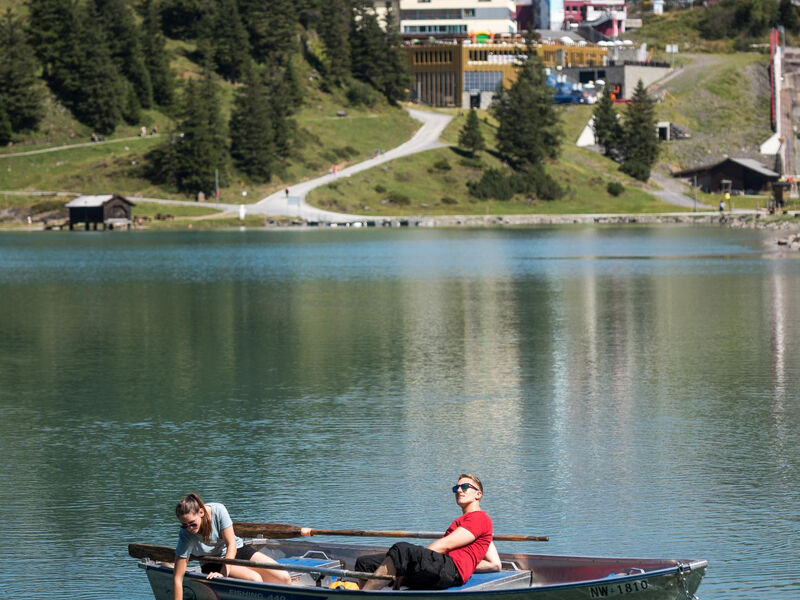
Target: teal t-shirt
[(192, 543)]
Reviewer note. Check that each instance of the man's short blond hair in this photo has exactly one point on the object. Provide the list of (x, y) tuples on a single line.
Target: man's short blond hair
[(474, 478)]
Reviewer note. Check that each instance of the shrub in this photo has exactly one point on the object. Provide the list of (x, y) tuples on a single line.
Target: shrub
[(496, 184), (441, 165), (544, 186), (398, 199), (380, 189), (359, 93), (449, 200), (615, 188)]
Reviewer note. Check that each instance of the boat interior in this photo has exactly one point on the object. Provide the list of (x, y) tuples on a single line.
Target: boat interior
[(519, 570)]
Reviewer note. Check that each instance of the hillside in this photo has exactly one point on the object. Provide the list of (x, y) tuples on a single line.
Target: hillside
[(720, 99)]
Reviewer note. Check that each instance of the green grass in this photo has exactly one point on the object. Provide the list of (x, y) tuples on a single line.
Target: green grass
[(151, 209), (723, 102)]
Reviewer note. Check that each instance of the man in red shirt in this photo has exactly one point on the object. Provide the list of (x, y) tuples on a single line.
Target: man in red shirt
[(465, 548)]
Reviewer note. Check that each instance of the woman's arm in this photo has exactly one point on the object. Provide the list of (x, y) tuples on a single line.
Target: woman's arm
[(230, 548), (490, 562), (456, 539), (177, 577)]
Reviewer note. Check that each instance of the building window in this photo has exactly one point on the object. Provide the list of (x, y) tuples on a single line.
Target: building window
[(469, 12), (485, 81)]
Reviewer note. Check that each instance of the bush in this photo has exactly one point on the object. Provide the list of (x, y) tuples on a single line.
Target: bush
[(398, 199), (496, 184), (636, 169), (449, 200), (359, 93), (380, 189), (441, 165), (615, 188), (544, 186)]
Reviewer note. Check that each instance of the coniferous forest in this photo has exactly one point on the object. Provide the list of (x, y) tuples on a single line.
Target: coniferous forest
[(107, 60)]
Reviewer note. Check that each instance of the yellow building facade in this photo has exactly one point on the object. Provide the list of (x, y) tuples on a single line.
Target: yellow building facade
[(449, 73)]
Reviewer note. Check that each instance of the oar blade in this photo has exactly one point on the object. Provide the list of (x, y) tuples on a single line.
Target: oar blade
[(274, 531), (152, 552)]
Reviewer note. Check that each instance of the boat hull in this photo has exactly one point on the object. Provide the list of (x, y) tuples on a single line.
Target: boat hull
[(554, 578)]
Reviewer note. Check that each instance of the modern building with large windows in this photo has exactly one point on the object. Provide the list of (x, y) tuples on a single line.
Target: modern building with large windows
[(464, 74)]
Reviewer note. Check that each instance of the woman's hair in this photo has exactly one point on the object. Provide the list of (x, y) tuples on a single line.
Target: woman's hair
[(474, 478), (192, 503)]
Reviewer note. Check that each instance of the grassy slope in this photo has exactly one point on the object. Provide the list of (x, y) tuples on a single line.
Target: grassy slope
[(324, 138), (443, 188)]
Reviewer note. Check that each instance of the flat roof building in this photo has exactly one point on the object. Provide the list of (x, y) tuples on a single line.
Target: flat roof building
[(448, 18)]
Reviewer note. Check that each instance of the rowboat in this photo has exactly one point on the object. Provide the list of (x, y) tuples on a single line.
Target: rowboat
[(315, 566)]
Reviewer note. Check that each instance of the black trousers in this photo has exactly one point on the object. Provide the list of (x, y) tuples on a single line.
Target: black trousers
[(420, 568)]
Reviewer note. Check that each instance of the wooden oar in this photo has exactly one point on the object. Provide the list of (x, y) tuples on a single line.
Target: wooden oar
[(166, 554), (279, 531)]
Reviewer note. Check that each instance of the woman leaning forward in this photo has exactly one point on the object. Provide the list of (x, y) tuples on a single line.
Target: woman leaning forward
[(207, 530)]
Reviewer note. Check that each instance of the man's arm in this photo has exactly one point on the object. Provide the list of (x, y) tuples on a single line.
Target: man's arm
[(490, 562), (456, 539)]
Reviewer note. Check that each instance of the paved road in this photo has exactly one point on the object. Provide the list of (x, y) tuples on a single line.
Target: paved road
[(294, 205), (672, 191), (279, 205)]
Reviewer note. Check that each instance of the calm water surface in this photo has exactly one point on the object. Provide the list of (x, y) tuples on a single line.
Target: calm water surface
[(626, 391)]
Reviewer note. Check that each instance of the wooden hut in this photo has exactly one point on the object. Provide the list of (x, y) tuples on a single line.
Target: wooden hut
[(110, 210), (744, 174)]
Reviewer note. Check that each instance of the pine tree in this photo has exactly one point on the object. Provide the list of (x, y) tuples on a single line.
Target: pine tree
[(198, 148), (85, 77), (272, 29), (5, 125), (229, 41), (529, 128), (282, 106), (333, 28), (252, 130), (640, 137), (396, 79), (126, 50), (183, 19), (788, 17), (606, 125), (367, 44), (376, 55), (49, 23), (20, 91), (155, 57), (470, 137)]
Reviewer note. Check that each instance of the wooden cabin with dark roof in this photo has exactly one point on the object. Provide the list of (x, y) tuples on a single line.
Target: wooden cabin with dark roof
[(744, 174), (110, 210)]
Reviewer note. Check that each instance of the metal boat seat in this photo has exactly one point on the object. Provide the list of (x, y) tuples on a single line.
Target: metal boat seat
[(497, 580), (309, 559)]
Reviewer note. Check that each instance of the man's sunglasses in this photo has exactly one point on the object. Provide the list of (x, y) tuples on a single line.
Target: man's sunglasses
[(463, 487)]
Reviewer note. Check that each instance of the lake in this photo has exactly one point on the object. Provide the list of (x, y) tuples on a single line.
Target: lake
[(627, 391)]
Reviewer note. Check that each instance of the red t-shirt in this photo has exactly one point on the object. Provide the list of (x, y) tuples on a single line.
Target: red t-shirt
[(467, 557)]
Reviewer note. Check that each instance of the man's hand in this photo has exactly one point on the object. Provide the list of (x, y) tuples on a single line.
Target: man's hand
[(457, 539)]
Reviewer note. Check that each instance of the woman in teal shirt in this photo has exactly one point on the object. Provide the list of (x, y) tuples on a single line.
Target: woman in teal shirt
[(207, 530)]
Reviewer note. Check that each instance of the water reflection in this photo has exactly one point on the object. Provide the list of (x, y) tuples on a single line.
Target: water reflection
[(625, 391)]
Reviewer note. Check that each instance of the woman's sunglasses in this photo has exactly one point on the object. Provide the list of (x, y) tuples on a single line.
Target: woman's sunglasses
[(463, 487)]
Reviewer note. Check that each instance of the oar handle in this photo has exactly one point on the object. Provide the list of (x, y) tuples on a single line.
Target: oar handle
[(284, 531), (163, 553)]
